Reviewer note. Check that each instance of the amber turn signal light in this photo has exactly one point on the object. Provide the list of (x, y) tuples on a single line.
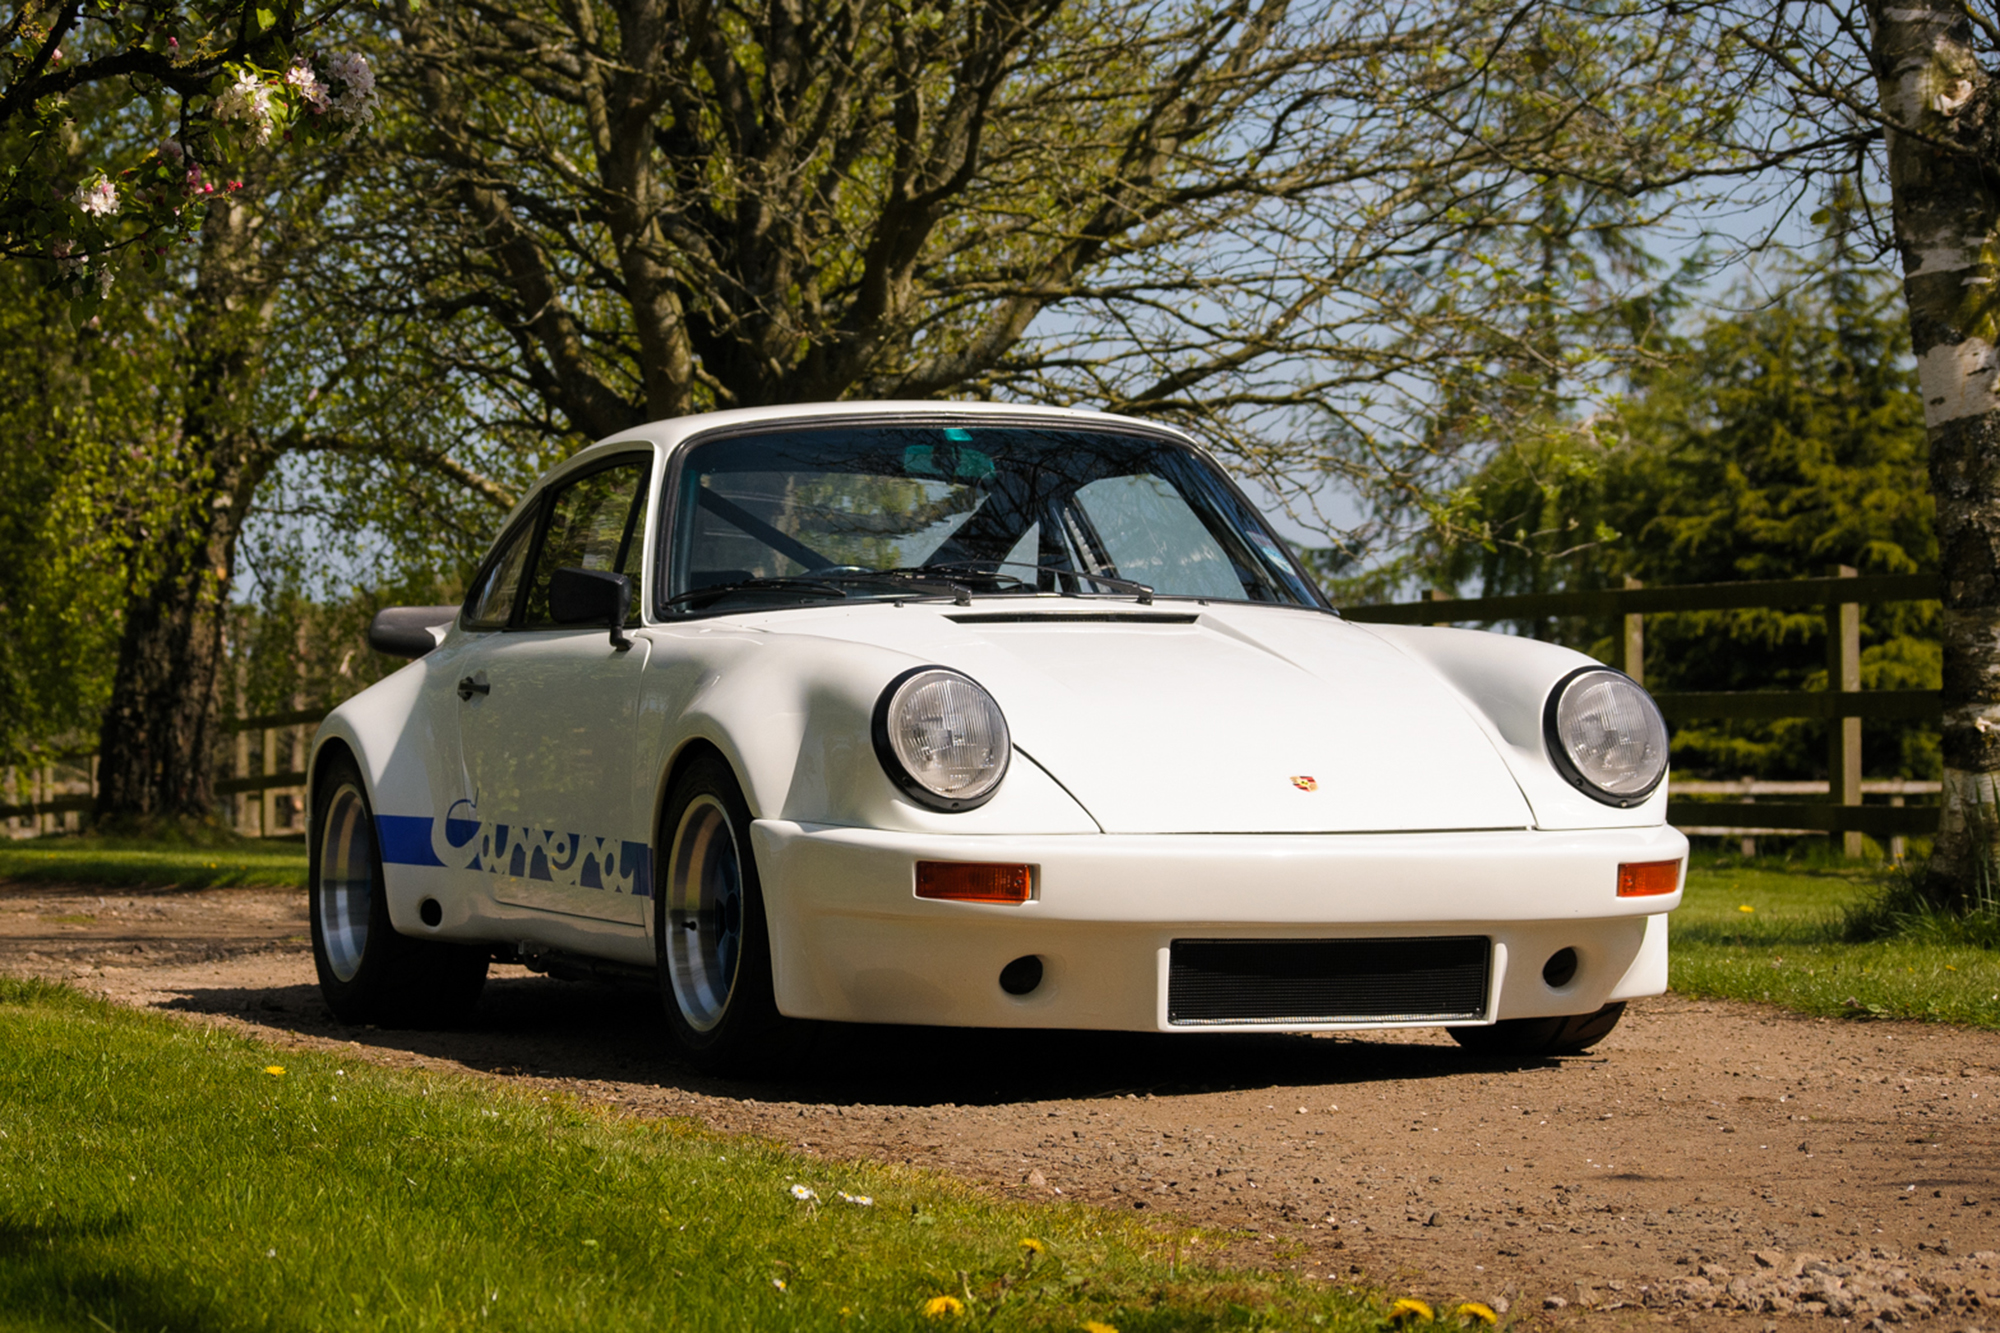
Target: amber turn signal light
[(1648, 879), (975, 882)]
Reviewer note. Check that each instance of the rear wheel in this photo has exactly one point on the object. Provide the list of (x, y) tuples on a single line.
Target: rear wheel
[(367, 972), (709, 931), (1533, 1038)]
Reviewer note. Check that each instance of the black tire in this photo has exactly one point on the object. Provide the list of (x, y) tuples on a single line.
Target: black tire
[(1538, 1038), (367, 972), (709, 931)]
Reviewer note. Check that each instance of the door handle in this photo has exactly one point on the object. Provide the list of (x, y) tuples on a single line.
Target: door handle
[(467, 687)]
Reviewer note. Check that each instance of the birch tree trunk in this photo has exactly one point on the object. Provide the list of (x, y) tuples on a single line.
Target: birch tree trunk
[(1945, 194)]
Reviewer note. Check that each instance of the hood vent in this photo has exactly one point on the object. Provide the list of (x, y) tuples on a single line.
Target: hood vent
[(1074, 618)]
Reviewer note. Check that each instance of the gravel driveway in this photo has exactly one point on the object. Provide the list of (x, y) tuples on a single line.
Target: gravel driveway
[(1711, 1164)]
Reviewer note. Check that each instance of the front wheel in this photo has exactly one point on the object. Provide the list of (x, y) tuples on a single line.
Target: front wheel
[(709, 931), (369, 973), (1537, 1038)]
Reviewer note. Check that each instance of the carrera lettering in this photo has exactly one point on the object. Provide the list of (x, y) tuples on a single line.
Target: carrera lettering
[(462, 840)]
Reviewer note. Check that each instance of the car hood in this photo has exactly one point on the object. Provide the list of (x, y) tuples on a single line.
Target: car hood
[(1179, 718)]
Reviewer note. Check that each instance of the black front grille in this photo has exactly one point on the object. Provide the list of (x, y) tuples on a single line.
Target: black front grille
[(1440, 979)]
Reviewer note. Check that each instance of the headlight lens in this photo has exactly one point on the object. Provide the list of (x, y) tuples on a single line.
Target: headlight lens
[(1607, 735), (942, 738)]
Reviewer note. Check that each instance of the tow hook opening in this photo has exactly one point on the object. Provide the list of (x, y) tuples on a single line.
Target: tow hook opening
[(429, 912), (1021, 976), (1560, 970)]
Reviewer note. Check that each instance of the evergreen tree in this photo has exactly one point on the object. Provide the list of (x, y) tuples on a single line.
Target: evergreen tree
[(1779, 443)]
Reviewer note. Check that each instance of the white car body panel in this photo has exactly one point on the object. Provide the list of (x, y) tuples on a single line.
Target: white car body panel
[(1199, 728), (851, 941), (1155, 786)]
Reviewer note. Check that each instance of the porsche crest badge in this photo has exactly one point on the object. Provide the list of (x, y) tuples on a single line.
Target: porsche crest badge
[(1304, 783)]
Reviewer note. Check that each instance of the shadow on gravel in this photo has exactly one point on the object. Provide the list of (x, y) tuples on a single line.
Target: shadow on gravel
[(543, 1028)]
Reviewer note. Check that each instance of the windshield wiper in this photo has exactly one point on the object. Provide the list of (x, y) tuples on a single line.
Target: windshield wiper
[(828, 581), (947, 575), (756, 585), (1142, 591)]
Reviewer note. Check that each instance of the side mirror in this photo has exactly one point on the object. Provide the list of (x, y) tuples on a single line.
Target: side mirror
[(592, 597), (410, 631)]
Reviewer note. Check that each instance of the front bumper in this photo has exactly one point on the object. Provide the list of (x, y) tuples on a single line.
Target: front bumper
[(851, 941)]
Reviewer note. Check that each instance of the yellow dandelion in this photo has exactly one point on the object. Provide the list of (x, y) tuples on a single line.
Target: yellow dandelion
[(275, 1071), (938, 1307), (1093, 1326), (1746, 907), (1472, 1312), (1410, 1310), (1031, 1244)]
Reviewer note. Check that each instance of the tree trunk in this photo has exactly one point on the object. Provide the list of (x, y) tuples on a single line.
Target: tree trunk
[(1947, 215), (158, 740)]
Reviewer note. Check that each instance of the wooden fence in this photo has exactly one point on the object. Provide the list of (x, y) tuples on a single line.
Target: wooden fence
[(1845, 703), (52, 795)]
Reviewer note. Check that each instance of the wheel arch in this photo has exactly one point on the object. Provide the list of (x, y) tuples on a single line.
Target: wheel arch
[(691, 751), (327, 751)]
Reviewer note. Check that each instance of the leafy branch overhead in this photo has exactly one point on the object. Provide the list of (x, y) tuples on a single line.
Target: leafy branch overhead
[(176, 94)]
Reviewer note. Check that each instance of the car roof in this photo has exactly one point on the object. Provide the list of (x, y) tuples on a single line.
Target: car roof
[(667, 436)]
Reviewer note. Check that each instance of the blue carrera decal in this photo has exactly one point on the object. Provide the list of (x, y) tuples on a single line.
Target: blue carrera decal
[(405, 840), (463, 841)]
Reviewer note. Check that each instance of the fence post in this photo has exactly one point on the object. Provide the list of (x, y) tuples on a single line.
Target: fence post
[(1438, 595), (1635, 639), (242, 798), (1843, 674), (267, 808)]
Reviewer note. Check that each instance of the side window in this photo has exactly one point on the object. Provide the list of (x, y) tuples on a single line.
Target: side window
[(491, 603), (593, 524)]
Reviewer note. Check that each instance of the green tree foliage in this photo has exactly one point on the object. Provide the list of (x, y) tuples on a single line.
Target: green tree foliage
[(1780, 442), (85, 477)]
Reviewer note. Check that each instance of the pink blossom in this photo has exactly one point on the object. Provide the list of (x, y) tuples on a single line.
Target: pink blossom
[(247, 100), (351, 71), (99, 198), (311, 90)]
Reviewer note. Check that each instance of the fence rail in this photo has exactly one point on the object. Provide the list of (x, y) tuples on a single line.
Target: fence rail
[(57, 797), (1845, 704), (1437, 608)]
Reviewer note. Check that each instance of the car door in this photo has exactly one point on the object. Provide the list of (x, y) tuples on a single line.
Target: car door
[(547, 714)]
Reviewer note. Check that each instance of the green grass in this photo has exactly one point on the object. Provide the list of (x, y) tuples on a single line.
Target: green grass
[(1794, 946), (157, 1175), (130, 862)]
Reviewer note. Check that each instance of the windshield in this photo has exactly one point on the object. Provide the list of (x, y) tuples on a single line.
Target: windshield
[(920, 510)]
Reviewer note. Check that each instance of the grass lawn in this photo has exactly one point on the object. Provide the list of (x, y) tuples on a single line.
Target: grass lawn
[(1788, 947), (130, 862), (159, 1175)]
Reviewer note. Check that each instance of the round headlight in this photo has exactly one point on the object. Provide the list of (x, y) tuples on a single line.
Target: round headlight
[(1606, 735), (941, 738)]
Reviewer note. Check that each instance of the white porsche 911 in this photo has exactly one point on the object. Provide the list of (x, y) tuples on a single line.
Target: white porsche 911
[(975, 715)]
